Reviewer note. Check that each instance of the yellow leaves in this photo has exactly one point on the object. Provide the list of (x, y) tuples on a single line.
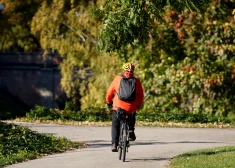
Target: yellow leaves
[(44, 5), (213, 81), (175, 100), (72, 33), (233, 13), (233, 72)]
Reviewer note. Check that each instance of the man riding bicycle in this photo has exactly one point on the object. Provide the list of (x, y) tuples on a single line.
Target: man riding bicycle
[(130, 106)]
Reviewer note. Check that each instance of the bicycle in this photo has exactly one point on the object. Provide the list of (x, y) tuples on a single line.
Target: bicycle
[(123, 143)]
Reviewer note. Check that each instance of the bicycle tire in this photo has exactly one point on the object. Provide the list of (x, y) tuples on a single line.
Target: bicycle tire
[(120, 153), (120, 144), (124, 148)]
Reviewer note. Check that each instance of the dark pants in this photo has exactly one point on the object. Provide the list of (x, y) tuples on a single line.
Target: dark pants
[(116, 125)]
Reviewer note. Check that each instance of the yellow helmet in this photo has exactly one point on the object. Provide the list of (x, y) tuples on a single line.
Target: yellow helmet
[(128, 66)]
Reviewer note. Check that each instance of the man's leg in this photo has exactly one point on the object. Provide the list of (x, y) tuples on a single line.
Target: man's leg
[(115, 131), (131, 121)]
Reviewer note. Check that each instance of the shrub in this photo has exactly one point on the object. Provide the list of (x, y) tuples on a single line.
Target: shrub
[(88, 114), (19, 143)]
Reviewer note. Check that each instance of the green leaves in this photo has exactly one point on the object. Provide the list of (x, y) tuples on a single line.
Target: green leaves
[(184, 58), (131, 20), (124, 24), (20, 143), (15, 32), (88, 114), (197, 83), (70, 30)]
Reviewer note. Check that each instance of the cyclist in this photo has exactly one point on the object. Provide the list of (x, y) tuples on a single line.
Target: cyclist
[(130, 107)]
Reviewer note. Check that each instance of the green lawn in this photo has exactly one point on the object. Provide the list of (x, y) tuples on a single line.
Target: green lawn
[(220, 157)]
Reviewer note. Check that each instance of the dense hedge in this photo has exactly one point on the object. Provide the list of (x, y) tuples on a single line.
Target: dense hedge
[(104, 114), (89, 114)]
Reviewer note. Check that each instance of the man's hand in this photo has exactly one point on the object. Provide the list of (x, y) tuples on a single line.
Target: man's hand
[(110, 105)]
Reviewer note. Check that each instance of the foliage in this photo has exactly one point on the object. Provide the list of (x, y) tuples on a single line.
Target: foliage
[(130, 21), (200, 79), (181, 117), (15, 32), (184, 58), (19, 143), (186, 65), (93, 90), (97, 114), (88, 114), (42, 112), (67, 27)]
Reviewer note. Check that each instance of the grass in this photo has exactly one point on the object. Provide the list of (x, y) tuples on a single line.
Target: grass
[(220, 157)]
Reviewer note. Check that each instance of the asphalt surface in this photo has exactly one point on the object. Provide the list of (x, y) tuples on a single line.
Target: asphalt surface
[(153, 148)]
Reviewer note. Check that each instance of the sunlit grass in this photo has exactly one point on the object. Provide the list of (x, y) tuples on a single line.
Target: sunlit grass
[(220, 157)]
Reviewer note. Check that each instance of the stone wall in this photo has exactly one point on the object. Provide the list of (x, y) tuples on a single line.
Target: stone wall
[(32, 79)]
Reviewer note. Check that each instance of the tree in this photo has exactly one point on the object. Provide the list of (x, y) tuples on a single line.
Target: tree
[(67, 27), (15, 32), (130, 21), (191, 62)]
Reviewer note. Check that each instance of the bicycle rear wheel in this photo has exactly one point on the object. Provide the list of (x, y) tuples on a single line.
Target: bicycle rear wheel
[(120, 153), (124, 148), (120, 145)]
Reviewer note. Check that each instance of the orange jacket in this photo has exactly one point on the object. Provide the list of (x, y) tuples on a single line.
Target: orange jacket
[(128, 106)]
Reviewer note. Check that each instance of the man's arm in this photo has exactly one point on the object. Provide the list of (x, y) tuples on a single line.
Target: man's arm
[(140, 93), (110, 93)]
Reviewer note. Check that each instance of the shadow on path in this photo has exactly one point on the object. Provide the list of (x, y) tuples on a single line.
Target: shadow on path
[(150, 159), (104, 143)]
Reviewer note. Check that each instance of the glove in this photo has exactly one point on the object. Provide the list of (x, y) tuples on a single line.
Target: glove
[(110, 105)]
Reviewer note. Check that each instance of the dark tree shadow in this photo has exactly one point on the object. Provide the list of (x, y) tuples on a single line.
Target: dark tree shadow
[(11, 106)]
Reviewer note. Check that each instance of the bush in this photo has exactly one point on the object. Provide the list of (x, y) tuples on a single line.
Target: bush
[(96, 114), (19, 143), (88, 114), (152, 116)]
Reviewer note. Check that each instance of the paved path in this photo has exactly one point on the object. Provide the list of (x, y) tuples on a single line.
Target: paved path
[(153, 148)]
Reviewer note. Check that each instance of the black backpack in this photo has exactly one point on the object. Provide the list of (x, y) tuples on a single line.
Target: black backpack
[(127, 89)]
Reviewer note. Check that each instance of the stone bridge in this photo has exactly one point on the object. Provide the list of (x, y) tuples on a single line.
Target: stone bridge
[(32, 79)]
